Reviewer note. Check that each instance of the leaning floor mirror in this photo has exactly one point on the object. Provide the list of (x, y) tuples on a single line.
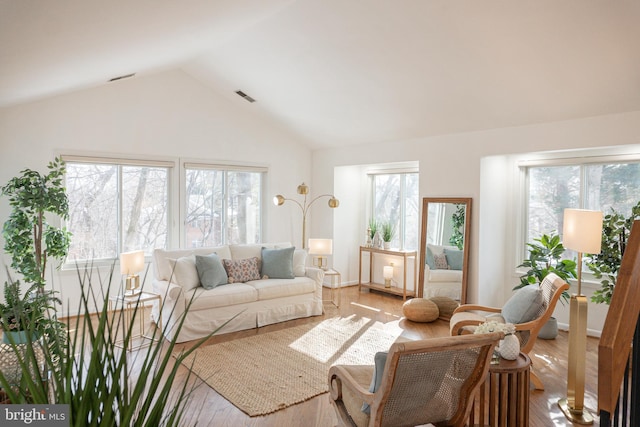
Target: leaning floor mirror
[(444, 247)]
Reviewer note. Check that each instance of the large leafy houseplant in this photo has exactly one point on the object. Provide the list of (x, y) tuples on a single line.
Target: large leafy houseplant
[(102, 382), (457, 224), (26, 312), (29, 238), (545, 256), (605, 265)]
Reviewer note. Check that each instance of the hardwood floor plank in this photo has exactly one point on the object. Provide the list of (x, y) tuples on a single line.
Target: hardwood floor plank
[(549, 357)]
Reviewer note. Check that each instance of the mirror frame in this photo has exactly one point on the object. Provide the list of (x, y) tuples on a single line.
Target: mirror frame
[(467, 234)]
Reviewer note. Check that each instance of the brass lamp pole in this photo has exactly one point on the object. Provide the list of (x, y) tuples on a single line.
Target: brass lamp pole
[(582, 232), (304, 207)]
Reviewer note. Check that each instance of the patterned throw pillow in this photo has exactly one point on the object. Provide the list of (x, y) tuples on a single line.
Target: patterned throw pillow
[(242, 270), (440, 261)]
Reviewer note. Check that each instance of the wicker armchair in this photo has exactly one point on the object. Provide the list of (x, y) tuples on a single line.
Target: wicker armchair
[(428, 381), (465, 318)]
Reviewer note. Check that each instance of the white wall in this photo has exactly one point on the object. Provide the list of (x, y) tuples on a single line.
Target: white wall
[(167, 115), (464, 165)]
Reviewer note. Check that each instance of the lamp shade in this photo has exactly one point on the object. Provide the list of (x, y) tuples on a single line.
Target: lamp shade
[(131, 262), (582, 230), (320, 246), (387, 272)]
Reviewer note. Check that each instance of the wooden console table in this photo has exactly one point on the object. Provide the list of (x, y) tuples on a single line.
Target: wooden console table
[(507, 387), (380, 286)]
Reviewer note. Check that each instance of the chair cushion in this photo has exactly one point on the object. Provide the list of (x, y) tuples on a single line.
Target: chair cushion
[(380, 359), (420, 310), (211, 271), (278, 263), (524, 305)]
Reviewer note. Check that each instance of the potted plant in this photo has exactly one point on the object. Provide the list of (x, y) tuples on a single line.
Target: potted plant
[(388, 231), (32, 241), (545, 256), (605, 265)]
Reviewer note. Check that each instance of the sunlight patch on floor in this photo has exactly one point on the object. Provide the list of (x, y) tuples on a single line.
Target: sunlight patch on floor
[(366, 307), (335, 337)]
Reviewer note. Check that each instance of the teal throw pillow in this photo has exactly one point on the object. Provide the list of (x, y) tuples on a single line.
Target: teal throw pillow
[(211, 271), (430, 260), (380, 359), (454, 258), (523, 306), (278, 263)]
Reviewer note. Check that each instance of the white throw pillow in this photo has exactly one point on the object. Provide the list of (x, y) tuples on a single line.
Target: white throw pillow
[(299, 262), (185, 273)]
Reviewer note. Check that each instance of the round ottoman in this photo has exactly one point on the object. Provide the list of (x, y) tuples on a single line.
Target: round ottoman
[(420, 310), (445, 305)]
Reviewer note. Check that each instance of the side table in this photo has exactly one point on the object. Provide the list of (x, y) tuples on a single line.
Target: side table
[(507, 387), (335, 275), (128, 304)]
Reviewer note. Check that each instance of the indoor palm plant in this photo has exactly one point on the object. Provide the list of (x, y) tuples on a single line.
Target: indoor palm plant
[(388, 232)]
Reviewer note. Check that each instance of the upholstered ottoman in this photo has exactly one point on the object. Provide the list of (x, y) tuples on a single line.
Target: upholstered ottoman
[(420, 310)]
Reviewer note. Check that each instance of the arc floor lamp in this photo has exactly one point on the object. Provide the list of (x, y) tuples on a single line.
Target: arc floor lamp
[(303, 189)]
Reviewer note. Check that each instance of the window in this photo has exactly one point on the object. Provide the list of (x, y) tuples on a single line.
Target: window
[(594, 185), (116, 207), (395, 199), (222, 206)]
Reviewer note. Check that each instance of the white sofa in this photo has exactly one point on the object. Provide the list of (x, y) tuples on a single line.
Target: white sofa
[(446, 282), (255, 303)]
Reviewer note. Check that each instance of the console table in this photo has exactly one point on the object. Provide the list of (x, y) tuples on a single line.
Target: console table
[(380, 286), (507, 387)]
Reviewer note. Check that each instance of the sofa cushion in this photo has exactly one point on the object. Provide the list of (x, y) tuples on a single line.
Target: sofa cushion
[(300, 262), (242, 270), (278, 263), (524, 305), (222, 296), (184, 272), (163, 268), (211, 271), (278, 288), (254, 250), (454, 258), (444, 276)]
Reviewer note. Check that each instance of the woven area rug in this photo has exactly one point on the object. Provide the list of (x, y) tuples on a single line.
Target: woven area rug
[(268, 372)]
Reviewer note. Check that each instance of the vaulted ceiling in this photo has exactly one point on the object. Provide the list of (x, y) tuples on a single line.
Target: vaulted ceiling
[(339, 72)]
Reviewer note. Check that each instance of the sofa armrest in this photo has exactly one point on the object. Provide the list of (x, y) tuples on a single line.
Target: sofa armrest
[(317, 274), (167, 290), (173, 305)]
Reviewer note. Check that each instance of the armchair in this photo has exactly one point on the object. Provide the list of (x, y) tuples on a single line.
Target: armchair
[(427, 381), (465, 318)]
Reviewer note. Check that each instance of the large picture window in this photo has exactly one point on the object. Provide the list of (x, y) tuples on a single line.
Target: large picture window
[(395, 200), (594, 185), (222, 206), (116, 207)]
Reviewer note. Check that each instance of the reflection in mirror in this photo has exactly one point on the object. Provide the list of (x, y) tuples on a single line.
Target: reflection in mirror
[(444, 247)]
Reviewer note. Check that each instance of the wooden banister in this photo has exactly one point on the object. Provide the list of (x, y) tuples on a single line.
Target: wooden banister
[(620, 325)]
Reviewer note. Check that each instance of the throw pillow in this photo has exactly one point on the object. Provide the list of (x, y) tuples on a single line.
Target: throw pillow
[(300, 262), (242, 270), (184, 272), (524, 305), (380, 359), (211, 271), (454, 258), (278, 263), (440, 262), (429, 259)]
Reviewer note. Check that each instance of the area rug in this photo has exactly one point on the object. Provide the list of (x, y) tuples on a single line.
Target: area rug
[(268, 372)]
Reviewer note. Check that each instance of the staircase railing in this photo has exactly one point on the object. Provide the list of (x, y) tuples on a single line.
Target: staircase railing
[(618, 365)]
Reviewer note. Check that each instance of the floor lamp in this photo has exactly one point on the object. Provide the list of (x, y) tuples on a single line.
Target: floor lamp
[(582, 232)]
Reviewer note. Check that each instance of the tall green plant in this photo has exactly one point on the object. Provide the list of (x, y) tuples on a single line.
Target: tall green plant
[(457, 223), (102, 382), (29, 238), (388, 231), (605, 265), (545, 256)]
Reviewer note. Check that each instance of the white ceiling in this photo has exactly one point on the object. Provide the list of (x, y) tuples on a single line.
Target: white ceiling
[(339, 72)]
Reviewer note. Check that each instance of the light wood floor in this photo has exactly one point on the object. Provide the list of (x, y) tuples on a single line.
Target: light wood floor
[(208, 408)]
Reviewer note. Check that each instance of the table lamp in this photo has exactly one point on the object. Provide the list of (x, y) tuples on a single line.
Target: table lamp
[(582, 232), (387, 273), (131, 263), (320, 248)]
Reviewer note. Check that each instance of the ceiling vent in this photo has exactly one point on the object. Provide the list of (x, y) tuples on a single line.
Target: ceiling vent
[(126, 76), (245, 96)]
